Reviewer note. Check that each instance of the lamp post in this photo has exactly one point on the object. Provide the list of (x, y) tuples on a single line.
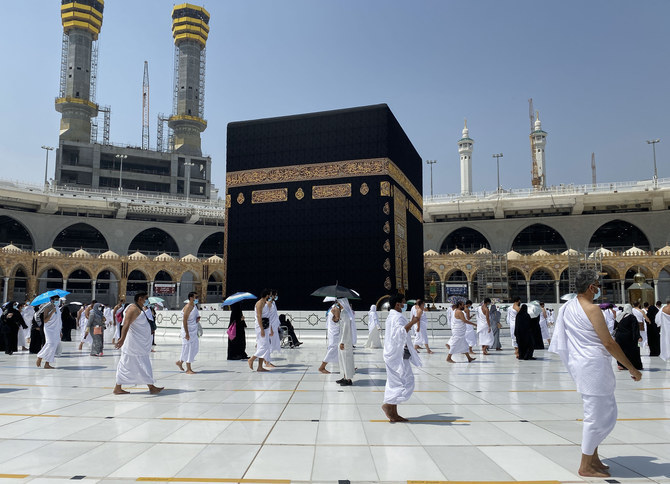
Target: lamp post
[(653, 145), (46, 167), (187, 174), (431, 163), (121, 158), (497, 156)]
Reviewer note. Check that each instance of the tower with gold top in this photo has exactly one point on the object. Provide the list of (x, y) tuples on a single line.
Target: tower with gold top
[(82, 21), (190, 29)]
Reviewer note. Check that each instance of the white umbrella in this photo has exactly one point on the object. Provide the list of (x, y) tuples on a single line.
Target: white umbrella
[(567, 297), (534, 309)]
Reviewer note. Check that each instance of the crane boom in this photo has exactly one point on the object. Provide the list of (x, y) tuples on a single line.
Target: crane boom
[(145, 107)]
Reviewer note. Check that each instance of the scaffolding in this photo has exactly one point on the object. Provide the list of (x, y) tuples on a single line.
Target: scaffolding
[(175, 92), (106, 112), (201, 92), (63, 65), (492, 279), (160, 130), (94, 71)]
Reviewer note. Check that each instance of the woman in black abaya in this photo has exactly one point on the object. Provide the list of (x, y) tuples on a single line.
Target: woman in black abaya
[(628, 336), (238, 344), (523, 331), (10, 321)]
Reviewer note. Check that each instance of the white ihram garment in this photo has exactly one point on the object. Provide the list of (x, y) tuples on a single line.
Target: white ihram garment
[(354, 331), (262, 342), (28, 313), (511, 320), (664, 320), (590, 366), (470, 334), (333, 328), (52, 329), (191, 346), (346, 356), (484, 332), (457, 343), (639, 315), (399, 375), (134, 366), (421, 337), (83, 324), (373, 329), (275, 340), (544, 327), (450, 323)]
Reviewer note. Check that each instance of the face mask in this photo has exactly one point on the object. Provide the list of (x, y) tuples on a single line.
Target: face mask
[(15, 306), (196, 301), (276, 298), (596, 295), (404, 307), (146, 304)]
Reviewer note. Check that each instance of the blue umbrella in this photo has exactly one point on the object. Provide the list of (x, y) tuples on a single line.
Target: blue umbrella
[(237, 297), (46, 297)]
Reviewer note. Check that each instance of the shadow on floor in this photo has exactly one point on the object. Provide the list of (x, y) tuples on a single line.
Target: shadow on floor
[(92, 367), (10, 390), (642, 464), (437, 419), (369, 382)]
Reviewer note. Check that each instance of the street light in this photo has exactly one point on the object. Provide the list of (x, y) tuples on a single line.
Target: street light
[(431, 163), (121, 158), (46, 167), (653, 145), (187, 172), (497, 157)]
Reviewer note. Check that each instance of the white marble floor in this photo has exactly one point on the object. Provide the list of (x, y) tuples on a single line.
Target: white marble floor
[(496, 419)]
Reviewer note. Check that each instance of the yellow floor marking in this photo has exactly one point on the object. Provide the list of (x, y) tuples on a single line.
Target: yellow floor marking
[(14, 476), (431, 391), (421, 421), (660, 388), (28, 415), (211, 479), (214, 419), (536, 391)]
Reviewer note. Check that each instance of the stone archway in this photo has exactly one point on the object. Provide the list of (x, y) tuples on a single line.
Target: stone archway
[(50, 278), (154, 241), (542, 286), (80, 236), (618, 235), (539, 236), (517, 283), (14, 232), (466, 239), (212, 245)]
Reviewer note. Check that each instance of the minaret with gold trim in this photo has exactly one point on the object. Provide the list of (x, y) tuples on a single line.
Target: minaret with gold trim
[(82, 21), (190, 29)]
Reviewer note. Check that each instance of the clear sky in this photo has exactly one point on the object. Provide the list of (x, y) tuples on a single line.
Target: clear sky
[(598, 72)]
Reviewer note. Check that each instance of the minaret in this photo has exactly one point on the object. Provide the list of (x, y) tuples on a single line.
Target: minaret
[(190, 29), (82, 21), (538, 142), (465, 151)]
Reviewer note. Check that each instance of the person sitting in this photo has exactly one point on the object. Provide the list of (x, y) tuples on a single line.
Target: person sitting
[(284, 321)]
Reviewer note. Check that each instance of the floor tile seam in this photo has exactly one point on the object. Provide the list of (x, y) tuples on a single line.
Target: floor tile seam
[(263, 443)]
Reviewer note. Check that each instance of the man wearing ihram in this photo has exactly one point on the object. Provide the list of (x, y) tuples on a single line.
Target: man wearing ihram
[(585, 345)]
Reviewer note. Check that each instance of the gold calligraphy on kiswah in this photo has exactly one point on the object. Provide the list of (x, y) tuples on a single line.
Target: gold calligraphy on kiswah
[(342, 190), (269, 196), (324, 171)]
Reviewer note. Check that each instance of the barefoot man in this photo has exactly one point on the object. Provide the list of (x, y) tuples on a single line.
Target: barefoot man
[(52, 332), (584, 343), (333, 327), (458, 324), (190, 343), (263, 331), (135, 363), (399, 356)]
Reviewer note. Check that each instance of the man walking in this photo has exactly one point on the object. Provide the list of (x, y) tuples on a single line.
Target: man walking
[(585, 345)]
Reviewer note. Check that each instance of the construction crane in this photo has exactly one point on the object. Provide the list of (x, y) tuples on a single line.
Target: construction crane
[(145, 107), (534, 171), (593, 169)]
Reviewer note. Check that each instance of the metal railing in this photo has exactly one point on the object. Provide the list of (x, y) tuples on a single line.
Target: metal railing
[(629, 186), (127, 196)]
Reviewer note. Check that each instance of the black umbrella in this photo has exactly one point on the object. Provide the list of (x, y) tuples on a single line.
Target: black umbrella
[(336, 291)]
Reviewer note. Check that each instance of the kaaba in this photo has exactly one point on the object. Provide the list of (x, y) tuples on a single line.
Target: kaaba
[(320, 198)]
